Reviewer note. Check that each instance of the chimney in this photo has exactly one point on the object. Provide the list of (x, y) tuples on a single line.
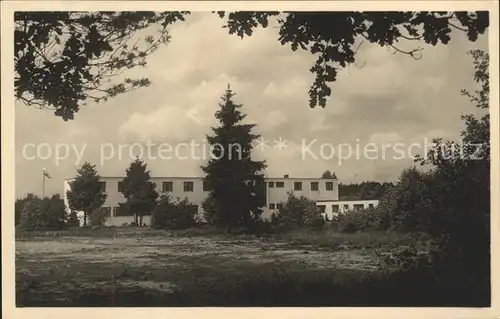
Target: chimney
[(286, 176)]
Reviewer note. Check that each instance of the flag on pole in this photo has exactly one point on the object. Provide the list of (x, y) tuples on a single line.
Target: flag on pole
[(46, 174)]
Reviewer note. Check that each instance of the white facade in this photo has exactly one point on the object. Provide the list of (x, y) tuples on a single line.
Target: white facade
[(334, 208), (277, 190)]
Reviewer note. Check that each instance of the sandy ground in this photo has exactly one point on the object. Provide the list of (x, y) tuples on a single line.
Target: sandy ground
[(159, 251), (57, 268)]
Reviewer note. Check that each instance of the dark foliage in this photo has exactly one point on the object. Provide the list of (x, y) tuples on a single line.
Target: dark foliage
[(364, 190), (73, 220), (47, 213), (86, 193), (231, 174), (138, 190), (170, 214), (298, 212), (65, 58), (19, 206), (335, 37), (461, 193), (329, 175)]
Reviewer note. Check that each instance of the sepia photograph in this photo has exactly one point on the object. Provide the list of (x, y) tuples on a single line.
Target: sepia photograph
[(250, 158)]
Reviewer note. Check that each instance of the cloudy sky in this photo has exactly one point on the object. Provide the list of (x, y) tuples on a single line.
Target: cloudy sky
[(392, 99)]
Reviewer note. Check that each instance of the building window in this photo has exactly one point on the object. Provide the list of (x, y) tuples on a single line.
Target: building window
[(280, 184), (322, 209), (370, 205), (120, 186), (272, 206), (103, 186), (121, 211), (206, 186), (188, 186), (335, 208), (314, 186), (279, 206), (329, 186), (297, 186), (270, 184), (346, 207), (167, 186), (358, 207)]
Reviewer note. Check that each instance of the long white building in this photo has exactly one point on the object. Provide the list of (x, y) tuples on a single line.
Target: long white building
[(333, 208), (323, 191)]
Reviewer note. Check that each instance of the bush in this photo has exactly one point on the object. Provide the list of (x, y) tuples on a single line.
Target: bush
[(169, 214), (210, 213), (298, 212), (99, 216), (73, 220), (19, 205), (43, 214)]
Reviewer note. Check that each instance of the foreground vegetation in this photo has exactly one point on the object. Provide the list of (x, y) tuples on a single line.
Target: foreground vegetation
[(201, 266)]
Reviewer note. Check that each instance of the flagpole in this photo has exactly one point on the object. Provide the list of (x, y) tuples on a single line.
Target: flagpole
[(43, 184)]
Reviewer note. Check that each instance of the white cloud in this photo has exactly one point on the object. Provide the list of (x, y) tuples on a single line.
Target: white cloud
[(385, 138), (191, 73), (159, 125)]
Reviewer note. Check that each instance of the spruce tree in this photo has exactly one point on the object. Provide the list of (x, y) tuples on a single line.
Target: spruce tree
[(139, 191), (234, 179), (86, 193)]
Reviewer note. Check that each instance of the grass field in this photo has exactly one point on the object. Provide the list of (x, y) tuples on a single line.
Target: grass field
[(142, 267)]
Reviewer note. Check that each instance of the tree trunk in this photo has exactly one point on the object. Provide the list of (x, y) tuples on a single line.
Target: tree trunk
[(84, 219), (140, 220), (135, 219)]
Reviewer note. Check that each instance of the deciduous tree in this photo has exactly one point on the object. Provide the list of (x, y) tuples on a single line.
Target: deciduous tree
[(335, 37), (329, 175), (461, 198), (47, 213), (63, 59)]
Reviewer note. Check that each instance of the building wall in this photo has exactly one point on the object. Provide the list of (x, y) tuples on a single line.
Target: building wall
[(274, 195), (196, 197), (344, 206)]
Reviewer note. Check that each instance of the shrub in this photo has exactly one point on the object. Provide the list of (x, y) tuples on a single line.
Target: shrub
[(20, 202), (43, 214), (73, 220), (298, 212), (406, 260), (99, 216), (369, 219), (169, 214), (210, 213), (349, 222)]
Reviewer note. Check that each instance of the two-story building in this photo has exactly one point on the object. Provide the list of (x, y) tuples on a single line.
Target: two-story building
[(193, 188)]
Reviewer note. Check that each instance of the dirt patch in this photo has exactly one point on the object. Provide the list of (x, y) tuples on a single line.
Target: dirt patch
[(167, 287), (177, 252)]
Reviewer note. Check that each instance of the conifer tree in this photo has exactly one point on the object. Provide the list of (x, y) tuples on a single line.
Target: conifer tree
[(234, 179), (86, 192), (139, 191)]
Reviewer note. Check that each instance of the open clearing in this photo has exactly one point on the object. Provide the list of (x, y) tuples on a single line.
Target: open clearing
[(64, 271)]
